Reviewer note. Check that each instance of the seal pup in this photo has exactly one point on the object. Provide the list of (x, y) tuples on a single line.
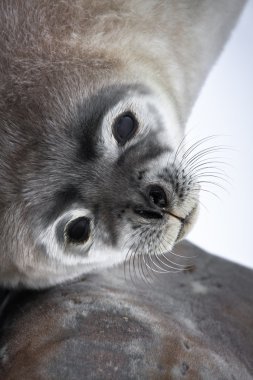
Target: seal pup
[(94, 99)]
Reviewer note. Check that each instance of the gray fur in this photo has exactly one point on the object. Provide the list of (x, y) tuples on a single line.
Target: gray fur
[(65, 67)]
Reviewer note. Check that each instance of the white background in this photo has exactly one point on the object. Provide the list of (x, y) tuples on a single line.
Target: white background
[(225, 108)]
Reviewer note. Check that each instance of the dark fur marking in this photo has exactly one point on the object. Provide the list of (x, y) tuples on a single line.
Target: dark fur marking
[(90, 115), (145, 150), (61, 200)]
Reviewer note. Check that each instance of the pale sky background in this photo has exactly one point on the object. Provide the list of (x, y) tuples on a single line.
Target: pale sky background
[(225, 108)]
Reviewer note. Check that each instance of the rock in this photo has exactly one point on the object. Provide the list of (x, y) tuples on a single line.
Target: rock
[(195, 324)]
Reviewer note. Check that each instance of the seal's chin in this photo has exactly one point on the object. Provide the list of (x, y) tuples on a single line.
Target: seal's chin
[(187, 223)]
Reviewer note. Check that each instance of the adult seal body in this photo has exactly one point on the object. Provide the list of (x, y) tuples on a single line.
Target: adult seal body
[(94, 97)]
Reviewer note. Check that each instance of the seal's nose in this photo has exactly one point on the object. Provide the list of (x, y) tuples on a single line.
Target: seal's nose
[(157, 196), (148, 213), (157, 202)]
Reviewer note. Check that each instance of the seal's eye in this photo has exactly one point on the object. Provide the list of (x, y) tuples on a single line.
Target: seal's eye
[(78, 230), (124, 128)]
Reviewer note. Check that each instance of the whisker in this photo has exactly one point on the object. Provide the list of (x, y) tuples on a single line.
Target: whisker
[(149, 271), (196, 158), (152, 261), (201, 172), (140, 269), (167, 259), (193, 147), (205, 164), (145, 276), (211, 192), (214, 184), (212, 176), (176, 254), (160, 261), (158, 258)]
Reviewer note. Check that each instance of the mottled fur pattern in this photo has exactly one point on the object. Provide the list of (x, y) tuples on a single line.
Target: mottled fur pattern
[(67, 70)]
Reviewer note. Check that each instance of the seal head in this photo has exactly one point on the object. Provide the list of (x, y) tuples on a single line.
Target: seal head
[(94, 185)]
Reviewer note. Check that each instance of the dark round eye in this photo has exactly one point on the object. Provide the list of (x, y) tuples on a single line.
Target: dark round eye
[(124, 128), (78, 230)]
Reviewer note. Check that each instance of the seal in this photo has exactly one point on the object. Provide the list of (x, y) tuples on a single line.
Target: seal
[(94, 99)]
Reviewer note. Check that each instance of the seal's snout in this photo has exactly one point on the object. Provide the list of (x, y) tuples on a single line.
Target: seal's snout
[(157, 201)]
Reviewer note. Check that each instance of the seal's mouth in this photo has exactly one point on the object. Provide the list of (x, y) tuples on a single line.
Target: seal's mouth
[(186, 222), (182, 220)]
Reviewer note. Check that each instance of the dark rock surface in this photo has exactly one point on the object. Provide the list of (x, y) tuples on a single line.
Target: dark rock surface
[(196, 324)]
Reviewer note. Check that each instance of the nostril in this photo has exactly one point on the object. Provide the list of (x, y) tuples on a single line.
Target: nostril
[(148, 214), (157, 196)]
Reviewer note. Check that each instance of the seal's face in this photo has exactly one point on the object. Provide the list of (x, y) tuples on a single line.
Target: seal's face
[(107, 183)]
